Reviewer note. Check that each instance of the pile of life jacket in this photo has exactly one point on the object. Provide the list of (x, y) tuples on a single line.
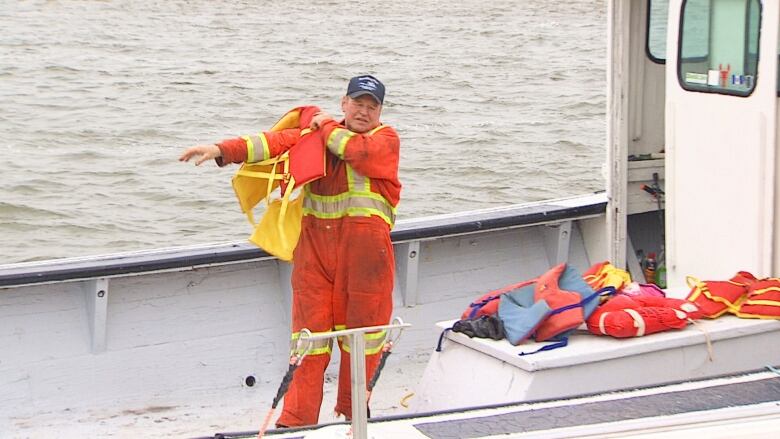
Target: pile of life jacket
[(637, 309), (550, 307), (743, 295), (547, 308), (604, 299)]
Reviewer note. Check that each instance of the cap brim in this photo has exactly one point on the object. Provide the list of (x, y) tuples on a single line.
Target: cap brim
[(357, 94)]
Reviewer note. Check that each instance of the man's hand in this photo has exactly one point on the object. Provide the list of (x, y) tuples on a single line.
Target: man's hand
[(206, 152), (319, 119)]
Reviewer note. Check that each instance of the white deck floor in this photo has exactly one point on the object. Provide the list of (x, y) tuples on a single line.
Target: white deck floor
[(206, 416)]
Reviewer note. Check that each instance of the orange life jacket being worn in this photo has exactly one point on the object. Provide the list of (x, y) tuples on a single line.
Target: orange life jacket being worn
[(279, 229)]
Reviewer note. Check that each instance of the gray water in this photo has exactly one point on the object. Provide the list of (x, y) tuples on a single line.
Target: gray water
[(496, 103)]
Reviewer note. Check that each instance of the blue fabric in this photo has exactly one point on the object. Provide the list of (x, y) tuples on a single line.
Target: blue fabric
[(571, 280), (476, 306), (520, 320), (523, 296)]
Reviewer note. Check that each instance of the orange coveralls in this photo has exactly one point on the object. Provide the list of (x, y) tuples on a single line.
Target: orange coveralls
[(343, 265)]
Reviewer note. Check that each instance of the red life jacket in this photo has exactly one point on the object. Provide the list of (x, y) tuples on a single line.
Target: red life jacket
[(714, 298), (623, 316), (547, 289), (762, 300)]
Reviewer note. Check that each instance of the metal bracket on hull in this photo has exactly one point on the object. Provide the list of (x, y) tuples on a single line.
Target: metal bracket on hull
[(406, 267), (557, 238), (285, 284), (96, 298)]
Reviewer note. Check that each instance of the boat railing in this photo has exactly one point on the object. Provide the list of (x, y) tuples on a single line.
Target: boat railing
[(406, 236), (357, 344)]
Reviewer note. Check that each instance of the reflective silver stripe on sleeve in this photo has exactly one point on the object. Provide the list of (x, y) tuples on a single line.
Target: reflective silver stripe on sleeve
[(337, 141), (256, 148)]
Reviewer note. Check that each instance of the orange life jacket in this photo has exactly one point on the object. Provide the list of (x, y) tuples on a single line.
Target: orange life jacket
[(279, 229), (548, 289), (547, 307), (634, 316), (715, 298), (762, 300), (487, 304)]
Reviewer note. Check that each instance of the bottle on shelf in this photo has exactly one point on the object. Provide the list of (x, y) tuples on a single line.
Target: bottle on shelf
[(650, 268)]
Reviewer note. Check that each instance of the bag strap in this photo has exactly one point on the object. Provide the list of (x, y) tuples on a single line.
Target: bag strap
[(558, 344), (609, 290)]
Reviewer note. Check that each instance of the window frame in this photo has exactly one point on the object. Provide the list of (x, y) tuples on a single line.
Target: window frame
[(717, 90), (648, 52)]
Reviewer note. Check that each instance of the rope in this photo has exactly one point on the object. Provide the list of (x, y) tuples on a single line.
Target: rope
[(706, 337), (405, 400)]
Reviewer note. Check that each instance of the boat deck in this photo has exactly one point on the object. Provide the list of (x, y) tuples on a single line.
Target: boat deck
[(739, 406), (706, 349)]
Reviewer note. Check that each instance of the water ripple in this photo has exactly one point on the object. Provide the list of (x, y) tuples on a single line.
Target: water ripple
[(496, 103)]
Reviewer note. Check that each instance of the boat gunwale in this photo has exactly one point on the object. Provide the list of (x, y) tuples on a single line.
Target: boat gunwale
[(178, 258)]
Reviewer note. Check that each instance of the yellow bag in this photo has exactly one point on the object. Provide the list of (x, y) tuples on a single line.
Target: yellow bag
[(604, 274), (279, 228)]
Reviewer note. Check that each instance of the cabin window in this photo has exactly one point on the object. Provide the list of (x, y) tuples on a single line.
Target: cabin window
[(657, 16), (718, 46)]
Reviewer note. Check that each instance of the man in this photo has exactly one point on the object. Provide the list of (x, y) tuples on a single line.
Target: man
[(343, 265)]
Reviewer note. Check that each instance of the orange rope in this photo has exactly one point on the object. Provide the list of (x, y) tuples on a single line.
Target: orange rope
[(266, 423)]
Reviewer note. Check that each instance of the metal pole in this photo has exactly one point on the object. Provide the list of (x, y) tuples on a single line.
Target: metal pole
[(357, 364)]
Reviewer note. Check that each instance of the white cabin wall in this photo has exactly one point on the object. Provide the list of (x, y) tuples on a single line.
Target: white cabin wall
[(721, 167), (776, 242)]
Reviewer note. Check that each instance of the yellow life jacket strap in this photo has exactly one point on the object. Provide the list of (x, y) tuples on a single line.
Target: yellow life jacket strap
[(251, 170)]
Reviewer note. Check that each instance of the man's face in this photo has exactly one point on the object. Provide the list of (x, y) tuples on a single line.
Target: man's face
[(361, 114)]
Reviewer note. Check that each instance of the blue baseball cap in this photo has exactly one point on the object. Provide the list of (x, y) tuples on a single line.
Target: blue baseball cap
[(366, 85)]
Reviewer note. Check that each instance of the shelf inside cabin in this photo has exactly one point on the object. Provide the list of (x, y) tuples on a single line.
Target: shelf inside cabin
[(640, 172)]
